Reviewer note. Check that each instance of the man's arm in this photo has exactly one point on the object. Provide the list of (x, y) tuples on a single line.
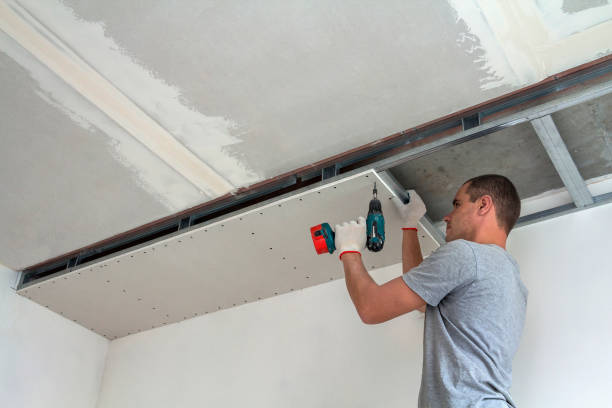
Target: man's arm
[(411, 254), (411, 213), (411, 250), (377, 303)]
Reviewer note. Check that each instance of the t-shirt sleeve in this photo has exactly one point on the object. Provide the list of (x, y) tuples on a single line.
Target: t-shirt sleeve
[(450, 266)]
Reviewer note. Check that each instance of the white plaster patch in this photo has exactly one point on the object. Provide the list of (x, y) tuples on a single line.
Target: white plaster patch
[(151, 174), (489, 54), (207, 137), (536, 38), (561, 24)]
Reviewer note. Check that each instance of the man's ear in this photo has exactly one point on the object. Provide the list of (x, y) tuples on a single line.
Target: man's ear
[(485, 204)]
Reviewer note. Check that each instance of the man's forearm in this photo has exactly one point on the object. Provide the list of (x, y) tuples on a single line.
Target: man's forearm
[(411, 253), (358, 281), (411, 250)]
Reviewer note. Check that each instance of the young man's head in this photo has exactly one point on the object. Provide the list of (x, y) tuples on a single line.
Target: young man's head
[(484, 207)]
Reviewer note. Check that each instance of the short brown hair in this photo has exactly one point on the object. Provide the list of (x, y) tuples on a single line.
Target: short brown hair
[(503, 193)]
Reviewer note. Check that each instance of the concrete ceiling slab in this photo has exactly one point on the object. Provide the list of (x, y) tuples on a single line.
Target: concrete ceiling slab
[(586, 130), (262, 252), (515, 153)]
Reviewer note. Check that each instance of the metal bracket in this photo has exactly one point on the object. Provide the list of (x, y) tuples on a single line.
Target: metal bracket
[(329, 172), (184, 223), (471, 121)]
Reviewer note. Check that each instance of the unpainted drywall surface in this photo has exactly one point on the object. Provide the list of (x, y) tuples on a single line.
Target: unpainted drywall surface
[(308, 348), (46, 361), (195, 272)]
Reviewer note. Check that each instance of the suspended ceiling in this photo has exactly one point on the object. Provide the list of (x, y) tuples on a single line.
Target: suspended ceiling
[(255, 254), (104, 103)]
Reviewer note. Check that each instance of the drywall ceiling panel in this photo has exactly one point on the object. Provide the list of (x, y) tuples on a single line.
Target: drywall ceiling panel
[(262, 252), (514, 152)]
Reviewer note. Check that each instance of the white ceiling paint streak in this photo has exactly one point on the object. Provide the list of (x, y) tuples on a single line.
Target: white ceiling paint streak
[(205, 136), (526, 41), (561, 24), (494, 61), (150, 173)]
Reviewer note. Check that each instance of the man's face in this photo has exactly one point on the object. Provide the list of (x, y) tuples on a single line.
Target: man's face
[(460, 222)]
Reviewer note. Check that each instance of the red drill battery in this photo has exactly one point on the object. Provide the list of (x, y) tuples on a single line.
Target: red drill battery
[(323, 238)]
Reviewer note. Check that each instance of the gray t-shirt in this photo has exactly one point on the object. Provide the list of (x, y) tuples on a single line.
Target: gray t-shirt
[(475, 313)]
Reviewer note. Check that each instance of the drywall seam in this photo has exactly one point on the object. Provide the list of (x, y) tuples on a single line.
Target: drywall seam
[(89, 83)]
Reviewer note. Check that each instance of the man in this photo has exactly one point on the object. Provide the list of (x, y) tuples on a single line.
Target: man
[(470, 288)]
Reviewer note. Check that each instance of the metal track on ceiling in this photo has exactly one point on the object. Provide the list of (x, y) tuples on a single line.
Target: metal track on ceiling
[(555, 93)]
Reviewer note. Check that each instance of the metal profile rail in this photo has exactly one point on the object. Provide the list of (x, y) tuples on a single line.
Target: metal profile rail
[(591, 80), (563, 162)]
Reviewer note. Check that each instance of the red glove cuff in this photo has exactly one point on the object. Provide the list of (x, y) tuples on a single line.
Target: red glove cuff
[(348, 252), (404, 229)]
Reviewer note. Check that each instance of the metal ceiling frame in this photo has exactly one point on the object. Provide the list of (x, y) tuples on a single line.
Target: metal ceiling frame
[(555, 93), (564, 164)]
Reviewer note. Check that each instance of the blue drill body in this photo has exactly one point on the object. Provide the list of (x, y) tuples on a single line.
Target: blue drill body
[(323, 235), (375, 224)]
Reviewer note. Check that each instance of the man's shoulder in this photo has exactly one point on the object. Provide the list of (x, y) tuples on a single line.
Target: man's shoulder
[(459, 245), (477, 249), (458, 249)]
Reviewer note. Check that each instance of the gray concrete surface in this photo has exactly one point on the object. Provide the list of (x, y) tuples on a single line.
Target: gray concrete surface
[(515, 153)]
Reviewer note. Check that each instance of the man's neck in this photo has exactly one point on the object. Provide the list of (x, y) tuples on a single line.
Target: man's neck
[(491, 237)]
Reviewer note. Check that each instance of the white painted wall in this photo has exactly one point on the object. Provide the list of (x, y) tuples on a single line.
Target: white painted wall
[(565, 357), (309, 349), (46, 360), (304, 349)]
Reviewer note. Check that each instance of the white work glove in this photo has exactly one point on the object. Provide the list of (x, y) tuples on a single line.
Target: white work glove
[(412, 212), (351, 236)]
